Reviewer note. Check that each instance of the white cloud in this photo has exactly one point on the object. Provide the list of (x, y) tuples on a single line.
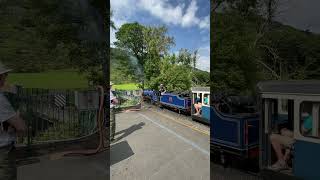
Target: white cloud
[(112, 38), (162, 10), (205, 23), (175, 15), (117, 23), (203, 62), (121, 10), (181, 14), (190, 18), (204, 39), (204, 50)]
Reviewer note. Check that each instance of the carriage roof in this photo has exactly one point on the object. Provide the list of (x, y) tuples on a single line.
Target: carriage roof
[(290, 88), (200, 89)]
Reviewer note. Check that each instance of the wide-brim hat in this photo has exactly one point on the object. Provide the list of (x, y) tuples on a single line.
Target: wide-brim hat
[(305, 114), (4, 69)]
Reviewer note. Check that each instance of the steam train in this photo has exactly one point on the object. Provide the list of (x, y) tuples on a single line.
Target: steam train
[(244, 132), (240, 126), (182, 102)]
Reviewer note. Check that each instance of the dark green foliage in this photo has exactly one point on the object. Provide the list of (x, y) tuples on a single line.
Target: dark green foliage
[(297, 53), (47, 35), (36, 35), (176, 77), (201, 78), (246, 49), (122, 69), (234, 67)]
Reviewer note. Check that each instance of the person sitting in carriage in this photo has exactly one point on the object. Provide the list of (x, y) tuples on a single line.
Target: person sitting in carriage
[(162, 89), (197, 105), (285, 140), (206, 100)]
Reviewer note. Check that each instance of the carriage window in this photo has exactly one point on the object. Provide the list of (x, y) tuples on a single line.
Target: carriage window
[(283, 106), (310, 119), (206, 99), (194, 97), (200, 97)]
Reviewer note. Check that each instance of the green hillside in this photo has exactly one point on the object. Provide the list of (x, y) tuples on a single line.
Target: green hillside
[(246, 51)]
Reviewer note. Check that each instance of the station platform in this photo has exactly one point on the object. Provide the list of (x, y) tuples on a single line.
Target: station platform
[(158, 144)]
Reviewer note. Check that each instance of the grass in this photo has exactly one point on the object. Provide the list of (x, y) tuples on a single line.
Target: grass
[(129, 86), (61, 79)]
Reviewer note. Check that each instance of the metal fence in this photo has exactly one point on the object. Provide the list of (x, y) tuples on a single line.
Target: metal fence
[(55, 114)]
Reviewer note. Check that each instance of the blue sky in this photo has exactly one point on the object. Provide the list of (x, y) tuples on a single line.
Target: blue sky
[(188, 21)]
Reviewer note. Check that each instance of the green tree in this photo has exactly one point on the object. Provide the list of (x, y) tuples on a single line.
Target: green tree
[(176, 77), (185, 58), (234, 53), (130, 37), (122, 70), (157, 45), (200, 78), (148, 44)]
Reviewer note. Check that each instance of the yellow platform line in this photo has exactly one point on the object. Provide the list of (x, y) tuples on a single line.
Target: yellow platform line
[(184, 124)]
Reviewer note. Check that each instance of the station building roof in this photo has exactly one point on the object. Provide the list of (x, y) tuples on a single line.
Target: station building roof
[(205, 89), (303, 87)]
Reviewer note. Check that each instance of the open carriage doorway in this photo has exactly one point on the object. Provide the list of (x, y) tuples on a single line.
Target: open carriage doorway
[(197, 99), (278, 136)]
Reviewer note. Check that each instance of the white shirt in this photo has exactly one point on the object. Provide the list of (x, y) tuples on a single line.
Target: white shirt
[(6, 112), (111, 98)]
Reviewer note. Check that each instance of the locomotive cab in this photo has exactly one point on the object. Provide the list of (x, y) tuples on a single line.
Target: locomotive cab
[(289, 106)]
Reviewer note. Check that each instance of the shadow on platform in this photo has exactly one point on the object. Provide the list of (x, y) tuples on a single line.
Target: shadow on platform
[(120, 152), (128, 131)]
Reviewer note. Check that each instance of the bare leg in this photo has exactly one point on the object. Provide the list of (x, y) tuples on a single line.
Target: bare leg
[(277, 147), (197, 108), (286, 155)]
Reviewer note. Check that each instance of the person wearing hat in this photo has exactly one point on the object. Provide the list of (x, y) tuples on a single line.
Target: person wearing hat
[(162, 89), (113, 102), (11, 124)]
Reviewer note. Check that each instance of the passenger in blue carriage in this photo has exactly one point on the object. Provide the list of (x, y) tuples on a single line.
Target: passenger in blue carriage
[(162, 89), (285, 140), (197, 105), (206, 100)]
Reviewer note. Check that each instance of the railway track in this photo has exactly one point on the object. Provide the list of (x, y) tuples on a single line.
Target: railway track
[(246, 168), (218, 171)]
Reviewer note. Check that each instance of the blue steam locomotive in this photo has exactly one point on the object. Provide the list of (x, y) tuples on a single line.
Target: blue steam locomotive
[(182, 102), (177, 101)]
